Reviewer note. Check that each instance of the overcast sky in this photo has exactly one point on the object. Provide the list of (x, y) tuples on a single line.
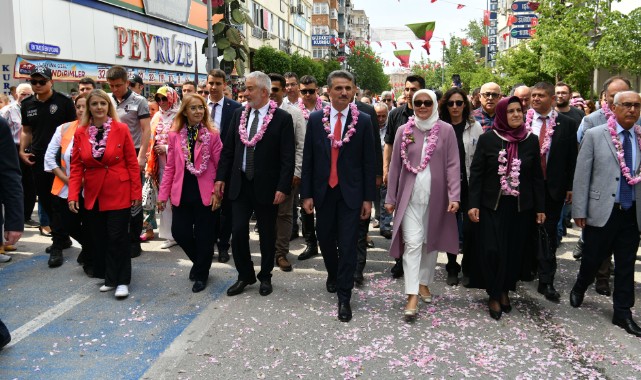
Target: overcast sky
[(394, 13)]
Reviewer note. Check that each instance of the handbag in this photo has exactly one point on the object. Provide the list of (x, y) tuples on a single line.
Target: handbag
[(149, 194)]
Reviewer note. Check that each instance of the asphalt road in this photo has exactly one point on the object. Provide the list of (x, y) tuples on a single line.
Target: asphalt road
[(64, 328)]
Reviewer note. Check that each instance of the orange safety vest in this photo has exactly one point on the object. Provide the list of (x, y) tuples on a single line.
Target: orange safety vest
[(68, 130)]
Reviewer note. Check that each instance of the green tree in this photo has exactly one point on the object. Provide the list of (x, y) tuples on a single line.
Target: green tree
[(329, 65), (229, 41), (430, 71), (619, 46), (368, 69), (269, 60), (306, 66), (522, 63)]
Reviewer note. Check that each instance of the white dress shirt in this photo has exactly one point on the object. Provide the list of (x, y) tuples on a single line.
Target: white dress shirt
[(219, 111), (334, 117)]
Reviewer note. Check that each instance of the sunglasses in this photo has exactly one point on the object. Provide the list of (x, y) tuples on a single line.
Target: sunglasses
[(203, 92), (308, 92), (160, 99), (490, 95), (387, 100), (275, 89), (421, 103), (458, 103), (40, 82)]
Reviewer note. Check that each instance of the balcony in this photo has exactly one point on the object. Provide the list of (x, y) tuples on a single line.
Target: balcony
[(257, 32), (284, 45)]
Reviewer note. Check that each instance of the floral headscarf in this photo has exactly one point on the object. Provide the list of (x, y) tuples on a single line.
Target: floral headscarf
[(166, 118)]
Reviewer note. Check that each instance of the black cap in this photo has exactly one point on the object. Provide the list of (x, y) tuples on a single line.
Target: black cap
[(43, 71), (136, 79)]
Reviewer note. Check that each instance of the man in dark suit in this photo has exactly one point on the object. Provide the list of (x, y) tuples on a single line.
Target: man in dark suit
[(607, 207), (340, 182), (11, 198), (364, 223), (221, 110), (255, 170), (558, 158)]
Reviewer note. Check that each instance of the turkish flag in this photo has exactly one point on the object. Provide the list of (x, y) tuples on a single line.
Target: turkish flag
[(511, 20), (460, 6), (486, 18), (485, 40), (533, 5), (465, 42)]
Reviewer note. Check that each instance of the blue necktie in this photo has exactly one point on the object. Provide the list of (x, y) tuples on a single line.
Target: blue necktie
[(626, 191)]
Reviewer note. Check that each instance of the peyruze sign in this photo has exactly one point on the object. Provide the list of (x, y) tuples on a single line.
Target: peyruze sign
[(141, 45)]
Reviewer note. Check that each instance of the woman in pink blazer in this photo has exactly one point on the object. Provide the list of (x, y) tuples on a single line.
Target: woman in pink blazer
[(192, 159)]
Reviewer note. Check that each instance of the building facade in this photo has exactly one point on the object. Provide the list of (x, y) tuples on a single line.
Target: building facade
[(358, 27)]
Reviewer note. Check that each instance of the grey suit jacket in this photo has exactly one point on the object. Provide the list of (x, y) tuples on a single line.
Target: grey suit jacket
[(300, 126), (597, 176), (594, 119)]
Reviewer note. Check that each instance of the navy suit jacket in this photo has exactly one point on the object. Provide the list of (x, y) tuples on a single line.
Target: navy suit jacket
[(356, 162), (229, 106), (371, 111), (10, 182), (562, 158), (273, 158)]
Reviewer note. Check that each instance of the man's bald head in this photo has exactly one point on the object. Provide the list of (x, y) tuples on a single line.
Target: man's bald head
[(490, 96), (524, 94)]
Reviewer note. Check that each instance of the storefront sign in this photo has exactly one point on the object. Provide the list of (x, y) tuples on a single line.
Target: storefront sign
[(169, 50), (521, 33), (35, 47), (72, 71), (321, 39), (527, 19)]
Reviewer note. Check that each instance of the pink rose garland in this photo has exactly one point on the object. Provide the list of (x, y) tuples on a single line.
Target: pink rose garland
[(206, 136), (102, 144), (305, 111), (547, 140), (408, 138), (351, 128), (242, 129), (612, 128), (509, 185)]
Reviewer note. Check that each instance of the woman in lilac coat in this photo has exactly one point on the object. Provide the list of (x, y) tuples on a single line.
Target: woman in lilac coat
[(424, 190)]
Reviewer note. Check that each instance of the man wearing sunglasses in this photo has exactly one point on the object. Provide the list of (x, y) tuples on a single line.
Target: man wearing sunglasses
[(203, 90), (41, 115), (387, 98), (221, 110), (396, 118), (490, 96)]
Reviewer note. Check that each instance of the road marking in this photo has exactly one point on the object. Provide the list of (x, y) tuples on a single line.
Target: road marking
[(48, 316)]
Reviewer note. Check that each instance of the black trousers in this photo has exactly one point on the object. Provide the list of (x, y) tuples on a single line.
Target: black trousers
[(361, 247), (68, 222), (547, 265), (28, 188), (266, 214), (337, 229), (109, 231), (192, 226), (137, 218), (44, 181), (619, 235), (224, 223)]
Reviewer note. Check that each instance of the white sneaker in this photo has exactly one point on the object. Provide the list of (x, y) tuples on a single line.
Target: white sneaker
[(168, 244), (4, 258), (106, 288), (122, 291)]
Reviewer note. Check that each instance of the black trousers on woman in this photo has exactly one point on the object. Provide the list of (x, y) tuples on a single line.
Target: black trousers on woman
[(69, 223), (502, 234), (193, 226), (110, 233)]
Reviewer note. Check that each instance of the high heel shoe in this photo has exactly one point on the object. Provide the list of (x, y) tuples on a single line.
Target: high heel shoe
[(496, 314), (410, 314), (506, 308), (45, 230)]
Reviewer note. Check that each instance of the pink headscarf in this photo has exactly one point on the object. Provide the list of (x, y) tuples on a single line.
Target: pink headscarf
[(512, 135)]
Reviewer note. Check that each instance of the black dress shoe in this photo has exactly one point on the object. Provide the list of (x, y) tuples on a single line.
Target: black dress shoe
[(603, 288), (628, 325), (223, 256), (344, 312), (31, 223), (387, 234), (397, 269), (199, 286), (55, 259), (238, 287), (549, 292), (330, 284), (452, 278), (65, 245), (370, 244), (576, 298), (265, 288), (310, 251)]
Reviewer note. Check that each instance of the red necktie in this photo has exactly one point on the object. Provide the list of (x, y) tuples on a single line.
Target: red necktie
[(542, 134), (333, 170)]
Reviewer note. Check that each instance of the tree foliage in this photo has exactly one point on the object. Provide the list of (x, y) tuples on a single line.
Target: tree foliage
[(368, 69), (619, 46), (306, 66), (230, 42), (269, 60)]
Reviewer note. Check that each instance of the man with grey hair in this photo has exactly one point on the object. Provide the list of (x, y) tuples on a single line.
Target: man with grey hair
[(255, 170), (202, 89), (11, 114), (382, 218), (341, 187), (490, 96), (610, 224), (387, 98)]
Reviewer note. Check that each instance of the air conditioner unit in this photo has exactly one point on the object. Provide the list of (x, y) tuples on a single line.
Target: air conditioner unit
[(300, 10), (293, 9), (265, 35)]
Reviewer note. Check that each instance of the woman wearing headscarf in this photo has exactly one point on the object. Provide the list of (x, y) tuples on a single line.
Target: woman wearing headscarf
[(169, 103), (424, 190), (506, 190)]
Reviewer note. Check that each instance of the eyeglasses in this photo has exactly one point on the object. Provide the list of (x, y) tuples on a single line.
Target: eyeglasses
[(490, 95), (40, 82), (202, 92), (387, 100), (420, 103), (196, 108), (275, 89), (629, 106), (458, 103), (308, 92)]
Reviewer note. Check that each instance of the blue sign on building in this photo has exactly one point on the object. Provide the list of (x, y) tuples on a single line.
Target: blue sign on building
[(520, 33), (321, 39), (521, 6), (525, 19), (35, 47)]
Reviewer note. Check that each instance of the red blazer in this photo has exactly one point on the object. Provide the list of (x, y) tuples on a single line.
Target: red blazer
[(115, 180)]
